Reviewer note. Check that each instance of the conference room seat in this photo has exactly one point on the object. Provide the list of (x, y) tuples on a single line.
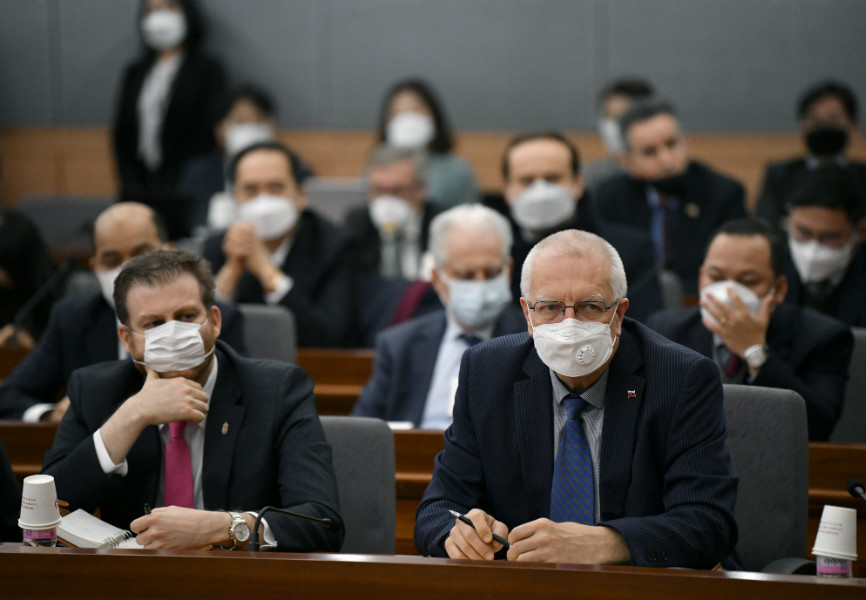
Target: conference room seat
[(64, 221), (269, 332), (851, 427)]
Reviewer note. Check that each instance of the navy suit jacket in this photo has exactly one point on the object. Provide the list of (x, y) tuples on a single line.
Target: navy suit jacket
[(263, 446), (82, 331), (405, 360), (667, 484), (809, 353)]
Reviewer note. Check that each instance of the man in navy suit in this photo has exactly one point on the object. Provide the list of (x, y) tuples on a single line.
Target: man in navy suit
[(82, 329), (661, 490), (191, 428), (417, 362)]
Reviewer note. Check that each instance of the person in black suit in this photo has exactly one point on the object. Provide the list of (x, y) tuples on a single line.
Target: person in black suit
[(826, 263), (678, 201), (162, 116), (280, 252), (544, 193), (82, 329), (248, 437), (654, 485), (753, 337), (827, 112), (417, 362)]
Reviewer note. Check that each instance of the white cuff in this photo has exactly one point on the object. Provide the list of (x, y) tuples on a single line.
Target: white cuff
[(108, 467), (284, 286), (35, 413), (268, 540)]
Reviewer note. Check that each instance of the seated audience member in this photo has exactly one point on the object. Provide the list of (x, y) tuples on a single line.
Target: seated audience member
[(192, 428), (827, 112), (752, 336), (417, 362), (10, 501), (527, 456), (679, 201), (279, 251), (82, 329), (613, 101), (25, 265), (544, 193), (826, 264), (411, 116)]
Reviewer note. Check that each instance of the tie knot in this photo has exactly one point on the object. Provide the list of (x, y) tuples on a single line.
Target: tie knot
[(470, 340), (574, 404), (176, 428)]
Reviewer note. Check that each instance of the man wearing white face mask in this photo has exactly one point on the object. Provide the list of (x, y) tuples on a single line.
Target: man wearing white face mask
[(278, 251), (826, 265), (417, 362), (752, 336), (191, 428), (590, 440)]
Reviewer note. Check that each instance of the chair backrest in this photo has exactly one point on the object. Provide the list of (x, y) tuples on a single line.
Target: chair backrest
[(269, 332), (769, 446), (851, 427), (64, 221), (672, 289), (333, 197), (363, 454)]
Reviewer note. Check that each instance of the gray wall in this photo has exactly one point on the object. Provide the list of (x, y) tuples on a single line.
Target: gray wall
[(731, 65)]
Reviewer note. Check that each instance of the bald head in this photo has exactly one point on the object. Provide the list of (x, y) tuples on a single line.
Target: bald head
[(122, 231)]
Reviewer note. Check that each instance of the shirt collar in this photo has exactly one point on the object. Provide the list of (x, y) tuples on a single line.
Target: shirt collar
[(593, 395)]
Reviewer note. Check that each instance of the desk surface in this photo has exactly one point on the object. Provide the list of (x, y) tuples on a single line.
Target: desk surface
[(74, 573)]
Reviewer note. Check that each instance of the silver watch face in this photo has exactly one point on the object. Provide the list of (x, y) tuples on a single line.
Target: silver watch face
[(242, 531)]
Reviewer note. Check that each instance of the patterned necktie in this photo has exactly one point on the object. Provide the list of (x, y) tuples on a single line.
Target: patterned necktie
[(732, 366), (178, 469), (572, 494), (470, 340)]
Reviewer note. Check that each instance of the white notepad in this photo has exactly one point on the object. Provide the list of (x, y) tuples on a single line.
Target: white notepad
[(83, 530)]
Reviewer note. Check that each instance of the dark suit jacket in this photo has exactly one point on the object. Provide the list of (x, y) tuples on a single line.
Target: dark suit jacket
[(404, 364), (273, 451), (709, 200), (809, 353), (780, 182), (848, 301), (82, 331), (320, 262), (667, 484), (187, 127)]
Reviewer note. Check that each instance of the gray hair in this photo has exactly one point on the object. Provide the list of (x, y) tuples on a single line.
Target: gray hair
[(385, 155), (468, 216), (576, 243)]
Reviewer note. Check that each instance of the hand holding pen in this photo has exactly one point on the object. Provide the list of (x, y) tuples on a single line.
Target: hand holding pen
[(476, 536)]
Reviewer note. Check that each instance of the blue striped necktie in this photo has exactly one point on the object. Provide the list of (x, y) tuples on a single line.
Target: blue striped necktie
[(573, 491)]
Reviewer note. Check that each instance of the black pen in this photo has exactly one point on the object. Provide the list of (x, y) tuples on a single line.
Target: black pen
[(466, 520), (146, 508)]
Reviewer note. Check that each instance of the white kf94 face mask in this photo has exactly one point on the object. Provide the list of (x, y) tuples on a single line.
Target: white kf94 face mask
[(719, 291), (173, 346), (163, 29), (410, 130), (543, 205), (817, 262), (271, 216), (573, 348)]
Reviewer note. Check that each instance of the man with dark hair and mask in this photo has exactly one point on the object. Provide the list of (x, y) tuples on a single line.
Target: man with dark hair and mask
[(591, 439), (189, 427), (679, 201), (827, 112), (826, 265), (417, 362)]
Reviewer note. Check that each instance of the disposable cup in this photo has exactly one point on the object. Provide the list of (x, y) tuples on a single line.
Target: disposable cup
[(39, 508), (837, 533)]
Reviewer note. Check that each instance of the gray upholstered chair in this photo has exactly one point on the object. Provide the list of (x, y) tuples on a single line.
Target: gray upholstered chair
[(363, 451), (64, 221), (851, 427), (672, 289), (269, 332), (769, 446)]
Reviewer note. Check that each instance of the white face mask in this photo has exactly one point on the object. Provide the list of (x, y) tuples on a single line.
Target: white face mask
[(817, 262), (410, 130), (245, 135), (608, 131), (477, 303), (163, 29), (106, 283), (390, 214), (173, 346), (272, 216), (573, 348), (719, 291), (543, 205)]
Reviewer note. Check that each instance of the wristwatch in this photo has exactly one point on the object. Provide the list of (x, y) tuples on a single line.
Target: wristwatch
[(756, 356), (239, 531)]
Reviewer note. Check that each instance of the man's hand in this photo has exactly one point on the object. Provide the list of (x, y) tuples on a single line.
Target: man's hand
[(476, 544), (23, 339), (543, 540), (56, 415), (182, 528), (736, 325)]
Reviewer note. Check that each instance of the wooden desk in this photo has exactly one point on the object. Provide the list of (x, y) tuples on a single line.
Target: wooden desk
[(339, 376), (72, 573)]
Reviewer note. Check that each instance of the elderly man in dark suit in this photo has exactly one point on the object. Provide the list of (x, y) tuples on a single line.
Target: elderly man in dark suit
[(590, 440), (191, 428), (755, 338), (417, 362), (679, 201)]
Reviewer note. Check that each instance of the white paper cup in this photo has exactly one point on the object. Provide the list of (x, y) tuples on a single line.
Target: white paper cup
[(837, 533), (39, 508)]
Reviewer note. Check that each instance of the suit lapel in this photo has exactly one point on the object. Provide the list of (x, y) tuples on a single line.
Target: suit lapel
[(423, 347), (100, 338)]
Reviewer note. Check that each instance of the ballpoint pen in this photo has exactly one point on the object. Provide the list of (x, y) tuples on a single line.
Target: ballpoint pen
[(465, 519)]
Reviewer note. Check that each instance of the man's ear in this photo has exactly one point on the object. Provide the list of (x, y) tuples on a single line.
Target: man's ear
[(216, 317), (526, 314), (621, 308), (124, 334), (440, 286), (781, 289)]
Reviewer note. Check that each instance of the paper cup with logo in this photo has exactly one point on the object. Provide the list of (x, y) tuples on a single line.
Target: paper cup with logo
[(836, 542), (39, 509)]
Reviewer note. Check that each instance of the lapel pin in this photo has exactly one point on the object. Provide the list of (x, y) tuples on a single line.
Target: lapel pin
[(225, 427), (692, 210), (631, 394)]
